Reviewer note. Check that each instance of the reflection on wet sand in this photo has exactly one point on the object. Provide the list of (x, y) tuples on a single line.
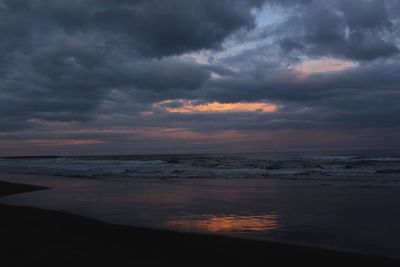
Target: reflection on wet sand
[(226, 223)]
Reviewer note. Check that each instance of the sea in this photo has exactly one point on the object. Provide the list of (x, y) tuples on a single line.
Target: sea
[(331, 168), (344, 200)]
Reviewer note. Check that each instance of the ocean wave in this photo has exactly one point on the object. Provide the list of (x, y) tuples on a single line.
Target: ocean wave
[(240, 166)]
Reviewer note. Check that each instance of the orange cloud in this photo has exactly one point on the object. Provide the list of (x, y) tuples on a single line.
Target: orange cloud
[(324, 65), (186, 106)]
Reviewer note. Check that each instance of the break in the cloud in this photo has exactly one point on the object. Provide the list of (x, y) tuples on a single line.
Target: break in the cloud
[(93, 76)]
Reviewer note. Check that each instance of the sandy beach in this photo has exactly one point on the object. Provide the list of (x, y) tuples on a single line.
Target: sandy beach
[(35, 237)]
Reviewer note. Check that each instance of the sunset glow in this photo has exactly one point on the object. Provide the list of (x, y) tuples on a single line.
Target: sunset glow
[(64, 142), (324, 65), (217, 107), (182, 134)]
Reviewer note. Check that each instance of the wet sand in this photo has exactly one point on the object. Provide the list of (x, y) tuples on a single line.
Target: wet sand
[(35, 237)]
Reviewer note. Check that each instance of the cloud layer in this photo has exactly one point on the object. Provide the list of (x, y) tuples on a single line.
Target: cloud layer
[(102, 72)]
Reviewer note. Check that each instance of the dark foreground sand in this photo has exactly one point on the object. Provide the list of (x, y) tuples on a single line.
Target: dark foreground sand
[(35, 237)]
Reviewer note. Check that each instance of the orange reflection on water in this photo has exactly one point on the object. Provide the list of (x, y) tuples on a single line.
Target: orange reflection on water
[(226, 223)]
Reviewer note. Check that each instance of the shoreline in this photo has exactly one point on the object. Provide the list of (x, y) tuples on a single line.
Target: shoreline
[(32, 236)]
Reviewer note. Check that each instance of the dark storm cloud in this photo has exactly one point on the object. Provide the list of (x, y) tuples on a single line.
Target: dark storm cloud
[(152, 27), (159, 28), (363, 96), (62, 59), (359, 30), (96, 64)]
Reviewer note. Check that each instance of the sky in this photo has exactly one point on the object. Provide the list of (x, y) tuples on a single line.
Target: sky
[(85, 77)]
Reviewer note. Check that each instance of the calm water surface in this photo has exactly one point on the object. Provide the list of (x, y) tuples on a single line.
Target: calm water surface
[(347, 217)]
